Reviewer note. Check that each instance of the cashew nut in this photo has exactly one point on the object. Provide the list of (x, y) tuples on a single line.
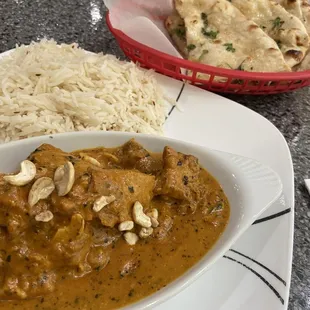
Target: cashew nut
[(40, 189), (102, 202), (64, 178), (20, 293), (111, 156), (154, 222), (153, 214), (44, 216), (91, 160), (26, 175), (145, 232), (131, 238), (139, 216), (126, 225)]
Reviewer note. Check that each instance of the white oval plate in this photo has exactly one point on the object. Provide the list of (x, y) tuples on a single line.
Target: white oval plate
[(255, 274), (250, 186)]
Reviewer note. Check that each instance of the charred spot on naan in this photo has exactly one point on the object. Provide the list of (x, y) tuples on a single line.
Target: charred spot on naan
[(299, 41), (297, 55), (271, 49), (253, 27)]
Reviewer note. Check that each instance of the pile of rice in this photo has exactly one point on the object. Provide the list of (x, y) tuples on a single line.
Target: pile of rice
[(47, 88)]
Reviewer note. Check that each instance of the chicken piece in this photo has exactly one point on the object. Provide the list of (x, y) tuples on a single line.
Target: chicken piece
[(149, 165), (48, 158), (131, 152), (127, 186), (13, 198), (180, 178), (25, 285), (134, 156), (25, 272)]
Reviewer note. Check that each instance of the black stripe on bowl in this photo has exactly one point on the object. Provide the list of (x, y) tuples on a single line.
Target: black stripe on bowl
[(259, 276), (260, 264), (273, 216)]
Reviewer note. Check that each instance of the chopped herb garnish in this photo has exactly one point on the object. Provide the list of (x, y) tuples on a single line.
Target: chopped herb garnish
[(204, 17), (229, 47), (191, 47), (180, 32), (8, 259), (218, 207), (277, 23), (210, 34), (131, 189)]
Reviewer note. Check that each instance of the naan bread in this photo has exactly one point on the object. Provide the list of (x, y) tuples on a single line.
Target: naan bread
[(286, 29), (176, 29), (305, 64), (305, 9), (218, 34), (300, 9)]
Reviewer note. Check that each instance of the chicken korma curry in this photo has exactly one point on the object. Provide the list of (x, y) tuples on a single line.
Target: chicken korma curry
[(101, 228)]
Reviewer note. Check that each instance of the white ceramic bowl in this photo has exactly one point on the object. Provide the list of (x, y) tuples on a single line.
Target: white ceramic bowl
[(250, 187)]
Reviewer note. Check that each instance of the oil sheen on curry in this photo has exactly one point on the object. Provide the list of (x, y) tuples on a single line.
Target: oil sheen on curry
[(102, 228)]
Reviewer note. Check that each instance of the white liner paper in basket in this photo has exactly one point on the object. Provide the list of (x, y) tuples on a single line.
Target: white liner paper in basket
[(143, 21)]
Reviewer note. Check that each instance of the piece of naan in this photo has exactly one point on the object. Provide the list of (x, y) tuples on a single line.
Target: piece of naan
[(176, 29), (286, 29), (300, 9), (218, 34), (304, 65)]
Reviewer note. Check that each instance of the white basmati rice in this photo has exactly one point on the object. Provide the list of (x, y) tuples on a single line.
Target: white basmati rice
[(47, 88)]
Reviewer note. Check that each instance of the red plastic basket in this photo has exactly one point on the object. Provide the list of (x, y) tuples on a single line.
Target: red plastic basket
[(219, 80)]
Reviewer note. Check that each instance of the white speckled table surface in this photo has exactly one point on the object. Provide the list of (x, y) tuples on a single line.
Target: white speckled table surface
[(83, 21)]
